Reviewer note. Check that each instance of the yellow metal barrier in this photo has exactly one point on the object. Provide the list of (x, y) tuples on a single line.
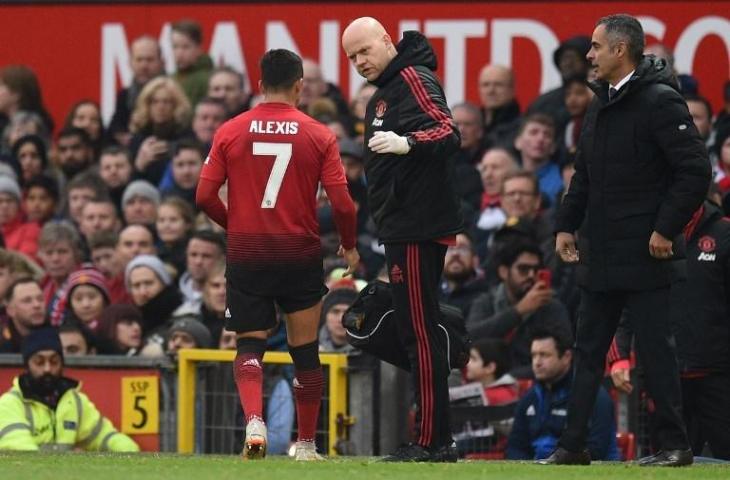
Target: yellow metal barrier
[(187, 359)]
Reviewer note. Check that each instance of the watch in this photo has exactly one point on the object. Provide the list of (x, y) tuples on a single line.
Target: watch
[(411, 141)]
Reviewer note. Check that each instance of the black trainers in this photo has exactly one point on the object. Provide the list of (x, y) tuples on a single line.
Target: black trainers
[(445, 454), (408, 453), (562, 456)]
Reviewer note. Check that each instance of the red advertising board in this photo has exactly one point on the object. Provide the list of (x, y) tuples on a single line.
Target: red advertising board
[(81, 51), (104, 386)]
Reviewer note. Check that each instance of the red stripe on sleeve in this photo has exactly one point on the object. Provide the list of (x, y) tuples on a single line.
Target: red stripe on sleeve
[(444, 128)]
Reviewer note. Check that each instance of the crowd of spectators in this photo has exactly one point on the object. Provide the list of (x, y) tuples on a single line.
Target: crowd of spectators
[(103, 240)]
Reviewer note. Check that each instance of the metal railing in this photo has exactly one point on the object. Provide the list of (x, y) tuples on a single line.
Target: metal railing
[(191, 407)]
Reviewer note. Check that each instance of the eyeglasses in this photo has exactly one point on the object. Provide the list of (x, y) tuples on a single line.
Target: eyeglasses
[(525, 269)]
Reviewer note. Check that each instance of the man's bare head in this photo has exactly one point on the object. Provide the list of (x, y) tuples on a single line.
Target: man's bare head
[(368, 46)]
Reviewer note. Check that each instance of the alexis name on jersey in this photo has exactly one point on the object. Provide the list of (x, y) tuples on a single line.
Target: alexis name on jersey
[(269, 126)]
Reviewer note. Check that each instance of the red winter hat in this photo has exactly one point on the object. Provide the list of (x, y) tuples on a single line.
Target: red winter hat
[(87, 276)]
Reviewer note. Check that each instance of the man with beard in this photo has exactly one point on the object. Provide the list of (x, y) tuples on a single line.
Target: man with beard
[(75, 151), (45, 410), (461, 283), (521, 303)]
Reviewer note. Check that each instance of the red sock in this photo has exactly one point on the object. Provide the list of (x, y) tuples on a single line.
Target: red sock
[(308, 386), (249, 379)]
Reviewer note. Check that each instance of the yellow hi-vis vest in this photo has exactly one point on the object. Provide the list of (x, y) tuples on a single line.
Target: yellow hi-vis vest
[(27, 424)]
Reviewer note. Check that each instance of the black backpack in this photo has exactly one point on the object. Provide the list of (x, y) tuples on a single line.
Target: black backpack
[(371, 327)]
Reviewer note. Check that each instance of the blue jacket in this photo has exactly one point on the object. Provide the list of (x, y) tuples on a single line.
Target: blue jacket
[(540, 418)]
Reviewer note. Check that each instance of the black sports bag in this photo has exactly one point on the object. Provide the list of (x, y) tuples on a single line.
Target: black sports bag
[(371, 327)]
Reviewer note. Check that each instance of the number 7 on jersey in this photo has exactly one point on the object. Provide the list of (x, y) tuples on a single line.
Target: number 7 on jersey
[(282, 151)]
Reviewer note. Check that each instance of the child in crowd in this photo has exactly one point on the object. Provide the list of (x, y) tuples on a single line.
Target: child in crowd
[(41, 199), (488, 364), (86, 298)]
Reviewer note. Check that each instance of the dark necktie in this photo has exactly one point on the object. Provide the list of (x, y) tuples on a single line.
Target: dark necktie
[(612, 93)]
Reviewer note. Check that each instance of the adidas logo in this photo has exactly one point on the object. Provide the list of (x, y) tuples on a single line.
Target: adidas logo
[(530, 411), (252, 362), (228, 313)]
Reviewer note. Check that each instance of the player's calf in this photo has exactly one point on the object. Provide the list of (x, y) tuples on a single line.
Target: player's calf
[(308, 386)]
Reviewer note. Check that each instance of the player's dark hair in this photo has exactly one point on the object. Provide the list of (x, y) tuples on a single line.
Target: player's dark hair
[(280, 69)]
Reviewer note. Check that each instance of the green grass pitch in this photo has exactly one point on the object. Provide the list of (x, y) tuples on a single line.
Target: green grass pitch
[(80, 466)]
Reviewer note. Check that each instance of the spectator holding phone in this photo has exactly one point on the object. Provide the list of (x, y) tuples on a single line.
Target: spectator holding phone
[(522, 302)]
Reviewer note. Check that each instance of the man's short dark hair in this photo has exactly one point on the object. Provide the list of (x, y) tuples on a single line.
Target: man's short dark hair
[(75, 326), (103, 239), (46, 183), (212, 101), (189, 28), (116, 150), (527, 176), (20, 281), (90, 180), (230, 71), (280, 69), (494, 350), (562, 336), (539, 118), (210, 237), (508, 255), (189, 144), (76, 132), (625, 28), (690, 97)]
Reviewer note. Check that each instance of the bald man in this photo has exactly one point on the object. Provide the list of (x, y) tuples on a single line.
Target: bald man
[(146, 63), (500, 110), (410, 137)]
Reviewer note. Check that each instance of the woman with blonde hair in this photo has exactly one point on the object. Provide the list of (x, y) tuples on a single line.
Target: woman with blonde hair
[(160, 118)]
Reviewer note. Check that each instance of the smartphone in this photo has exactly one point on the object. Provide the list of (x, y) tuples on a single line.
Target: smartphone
[(545, 276)]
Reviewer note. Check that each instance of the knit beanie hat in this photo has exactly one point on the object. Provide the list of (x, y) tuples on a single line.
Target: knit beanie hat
[(87, 276), (190, 325), (44, 338), (151, 262), (10, 186), (338, 296), (141, 188)]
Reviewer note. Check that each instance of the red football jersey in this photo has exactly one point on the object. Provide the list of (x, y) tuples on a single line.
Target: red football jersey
[(274, 158)]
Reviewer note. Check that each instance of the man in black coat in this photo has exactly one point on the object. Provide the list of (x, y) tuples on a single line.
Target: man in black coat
[(641, 172), (410, 137)]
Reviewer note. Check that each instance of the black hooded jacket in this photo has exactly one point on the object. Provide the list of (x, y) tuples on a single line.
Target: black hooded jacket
[(641, 167), (412, 197)]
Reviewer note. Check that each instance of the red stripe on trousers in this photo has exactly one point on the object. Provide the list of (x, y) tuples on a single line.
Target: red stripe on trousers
[(427, 105), (426, 388), (412, 303)]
